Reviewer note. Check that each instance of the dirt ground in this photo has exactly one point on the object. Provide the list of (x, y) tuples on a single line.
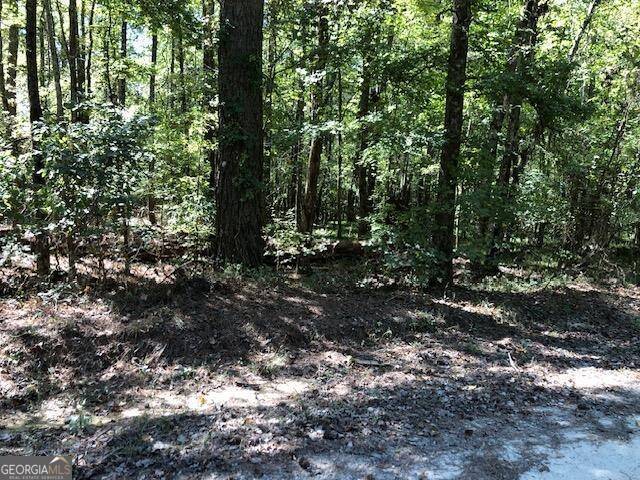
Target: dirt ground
[(282, 380)]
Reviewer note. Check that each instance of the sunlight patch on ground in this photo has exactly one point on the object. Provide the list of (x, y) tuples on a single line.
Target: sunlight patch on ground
[(230, 396), (591, 460), (591, 378)]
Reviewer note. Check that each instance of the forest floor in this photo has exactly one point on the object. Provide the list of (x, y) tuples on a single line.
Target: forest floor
[(292, 379)]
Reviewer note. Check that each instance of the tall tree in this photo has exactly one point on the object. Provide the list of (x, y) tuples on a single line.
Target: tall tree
[(75, 65), (154, 65), (449, 160), (12, 60), (122, 81), (35, 116), (55, 59), (89, 52), (310, 201), (240, 192), (519, 61), (3, 85), (151, 199), (209, 91)]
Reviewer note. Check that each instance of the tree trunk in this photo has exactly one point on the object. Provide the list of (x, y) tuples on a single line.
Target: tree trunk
[(76, 95), (12, 63), (42, 51), (106, 45), (151, 199), (35, 115), (90, 49), (240, 192), (269, 91), (122, 82), (585, 26), (521, 56), (63, 34), (340, 160), (55, 60), (82, 52), (183, 87), (309, 206), (209, 93), (154, 63), (3, 85), (363, 143), (448, 180)]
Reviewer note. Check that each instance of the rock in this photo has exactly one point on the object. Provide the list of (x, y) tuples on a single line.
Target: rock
[(304, 463)]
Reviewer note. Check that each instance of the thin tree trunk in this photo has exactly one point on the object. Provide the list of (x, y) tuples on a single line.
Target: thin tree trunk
[(339, 179), (521, 57), (3, 85), (82, 51), (209, 93), (585, 26), (90, 49), (35, 115), (363, 143), (42, 51), (240, 192), (183, 87), (309, 206), (107, 60), (122, 82), (154, 64), (76, 116), (55, 60), (269, 91), (12, 62), (448, 181), (151, 199)]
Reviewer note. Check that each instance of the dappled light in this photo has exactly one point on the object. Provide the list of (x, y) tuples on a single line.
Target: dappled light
[(320, 239)]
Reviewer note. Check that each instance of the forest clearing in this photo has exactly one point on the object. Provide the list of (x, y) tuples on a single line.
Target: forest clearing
[(333, 239)]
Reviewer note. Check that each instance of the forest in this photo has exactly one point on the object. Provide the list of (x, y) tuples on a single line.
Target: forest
[(343, 239)]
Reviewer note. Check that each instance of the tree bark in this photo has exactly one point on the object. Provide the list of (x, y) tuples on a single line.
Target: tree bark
[(270, 83), (76, 94), (154, 63), (106, 45), (12, 62), (151, 199), (55, 59), (209, 93), (63, 34), (240, 192), (309, 206), (3, 85), (340, 160), (122, 81), (363, 143), (183, 86), (35, 116), (448, 179), (90, 49)]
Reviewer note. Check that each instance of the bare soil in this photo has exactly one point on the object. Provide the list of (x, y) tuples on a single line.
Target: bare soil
[(283, 379)]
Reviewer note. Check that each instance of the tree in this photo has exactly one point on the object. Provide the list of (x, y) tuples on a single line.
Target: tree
[(12, 60), (448, 181), (35, 115), (55, 59), (209, 92), (240, 191), (309, 204), (122, 81)]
